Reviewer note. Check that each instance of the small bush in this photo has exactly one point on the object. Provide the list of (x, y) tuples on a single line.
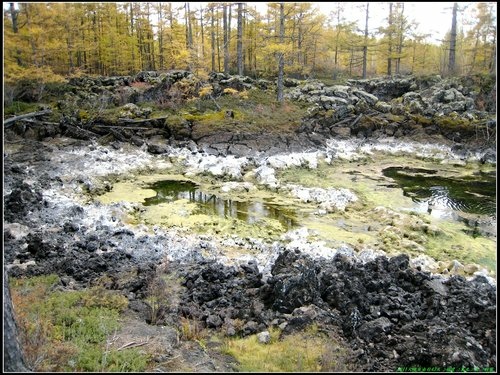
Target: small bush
[(17, 108), (157, 300), (192, 330), (68, 330)]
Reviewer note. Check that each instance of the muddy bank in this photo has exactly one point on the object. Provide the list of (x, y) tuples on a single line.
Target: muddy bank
[(387, 312)]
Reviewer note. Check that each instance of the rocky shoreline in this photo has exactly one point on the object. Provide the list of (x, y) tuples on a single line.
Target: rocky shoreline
[(390, 313)]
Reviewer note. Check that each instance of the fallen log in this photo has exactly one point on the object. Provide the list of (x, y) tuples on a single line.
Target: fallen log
[(39, 122), (12, 120), (357, 120), (121, 126)]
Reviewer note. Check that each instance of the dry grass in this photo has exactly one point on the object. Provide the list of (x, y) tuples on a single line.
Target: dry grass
[(309, 351)]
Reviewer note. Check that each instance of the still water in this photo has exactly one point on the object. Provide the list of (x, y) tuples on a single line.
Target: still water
[(470, 194), (445, 197), (248, 211)]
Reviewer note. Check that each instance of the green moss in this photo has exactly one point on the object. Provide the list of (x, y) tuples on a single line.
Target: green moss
[(207, 117), (126, 191), (451, 122), (455, 243), (395, 228), (383, 218), (419, 119)]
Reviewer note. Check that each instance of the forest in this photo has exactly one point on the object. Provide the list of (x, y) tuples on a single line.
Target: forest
[(46, 41)]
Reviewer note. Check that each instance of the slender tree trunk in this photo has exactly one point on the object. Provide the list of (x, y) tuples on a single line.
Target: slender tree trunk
[(229, 18), (255, 46), (171, 34), (218, 43), (401, 38), (15, 29), (186, 22), (160, 37), (212, 38), (474, 53), (190, 28), (389, 58), (132, 34), (281, 55), (202, 35), (453, 41), (493, 67), (13, 16), (225, 39), (239, 42), (365, 47)]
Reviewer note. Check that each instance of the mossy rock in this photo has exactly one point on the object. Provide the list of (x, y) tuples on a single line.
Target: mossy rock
[(422, 120)]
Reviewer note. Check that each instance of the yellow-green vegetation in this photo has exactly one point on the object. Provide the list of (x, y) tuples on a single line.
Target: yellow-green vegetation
[(393, 228), (192, 330), (184, 214), (126, 191), (308, 351), (189, 216), (383, 218), (67, 330), (17, 108), (454, 243), (257, 113)]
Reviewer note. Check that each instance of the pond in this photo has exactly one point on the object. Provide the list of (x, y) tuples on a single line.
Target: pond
[(475, 194), (445, 211), (250, 212)]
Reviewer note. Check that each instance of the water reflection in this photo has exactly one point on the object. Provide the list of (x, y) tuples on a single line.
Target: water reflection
[(440, 196), (250, 212)]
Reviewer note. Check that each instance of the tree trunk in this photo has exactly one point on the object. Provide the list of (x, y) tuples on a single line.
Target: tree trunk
[(13, 357), (401, 38), (239, 42), (281, 57), (132, 33), (218, 43), (202, 35), (190, 28), (212, 37), (453, 41), (13, 15), (226, 41), (25, 116), (389, 58), (160, 36), (365, 47)]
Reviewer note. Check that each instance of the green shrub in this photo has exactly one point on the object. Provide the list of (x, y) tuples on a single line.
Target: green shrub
[(68, 330)]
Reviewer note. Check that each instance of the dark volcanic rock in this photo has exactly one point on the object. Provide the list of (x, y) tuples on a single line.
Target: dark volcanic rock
[(398, 315), (294, 283), (21, 200)]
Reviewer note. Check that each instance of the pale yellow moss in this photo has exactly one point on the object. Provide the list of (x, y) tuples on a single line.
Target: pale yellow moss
[(126, 191)]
